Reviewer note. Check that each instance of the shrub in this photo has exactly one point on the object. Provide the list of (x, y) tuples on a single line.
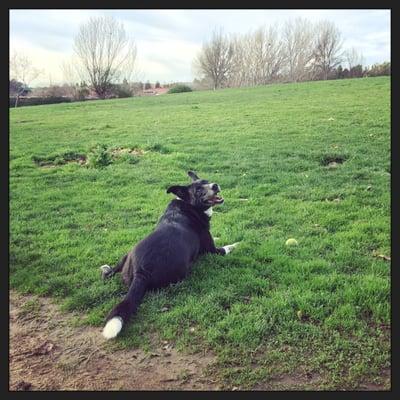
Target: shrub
[(157, 148), (378, 70), (81, 90), (129, 158), (35, 101), (18, 88), (180, 89), (121, 90), (53, 91), (137, 88), (99, 157), (356, 71)]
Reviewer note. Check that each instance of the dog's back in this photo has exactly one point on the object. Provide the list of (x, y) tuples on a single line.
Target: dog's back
[(165, 256)]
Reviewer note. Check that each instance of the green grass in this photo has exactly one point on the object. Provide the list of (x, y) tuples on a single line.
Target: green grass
[(266, 310)]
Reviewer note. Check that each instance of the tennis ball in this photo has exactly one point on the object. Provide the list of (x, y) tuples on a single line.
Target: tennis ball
[(291, 242)]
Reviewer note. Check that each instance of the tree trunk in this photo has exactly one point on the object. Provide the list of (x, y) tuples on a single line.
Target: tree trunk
[(17, 100)]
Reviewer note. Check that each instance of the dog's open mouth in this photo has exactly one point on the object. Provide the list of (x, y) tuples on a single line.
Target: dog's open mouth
[(216, 200)]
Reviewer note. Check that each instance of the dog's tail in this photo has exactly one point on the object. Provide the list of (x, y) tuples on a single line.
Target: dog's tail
[(121, 313)]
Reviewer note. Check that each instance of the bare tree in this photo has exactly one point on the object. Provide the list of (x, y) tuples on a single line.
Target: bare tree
[(258, 58), (266, 56), (301, 51), (327, 50), (22, 70), (70, 74), (76, 89), (298, 37), (239, 72), (215, 59), (353, 58), (105, 52)]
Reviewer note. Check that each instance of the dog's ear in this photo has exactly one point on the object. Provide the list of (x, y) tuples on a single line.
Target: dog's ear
[(193, 176), (180, 191)]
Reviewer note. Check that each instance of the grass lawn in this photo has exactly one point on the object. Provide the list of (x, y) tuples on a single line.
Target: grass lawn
[(309, 161)]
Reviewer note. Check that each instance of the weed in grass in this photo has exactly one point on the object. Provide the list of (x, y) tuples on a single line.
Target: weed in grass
[(130, 158), (158, 148), (99, 157)]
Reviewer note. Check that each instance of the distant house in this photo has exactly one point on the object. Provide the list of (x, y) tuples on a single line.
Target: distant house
[(161, 90), (154, 91)]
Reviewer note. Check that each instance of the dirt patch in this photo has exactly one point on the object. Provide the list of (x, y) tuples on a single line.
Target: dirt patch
[(304, 381), (48, 353), (99, 156), (333, 161), (61, 159), (382, 256), (296, 382), (119, 151), (385, 376), (81, 161)]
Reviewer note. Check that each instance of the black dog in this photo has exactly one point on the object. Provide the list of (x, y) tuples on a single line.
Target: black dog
[(167, 254)]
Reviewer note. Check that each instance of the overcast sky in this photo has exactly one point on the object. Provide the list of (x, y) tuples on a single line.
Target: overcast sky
[(168, 40)]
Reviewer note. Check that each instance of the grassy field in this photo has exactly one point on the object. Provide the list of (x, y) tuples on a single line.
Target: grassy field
[(309, 161)]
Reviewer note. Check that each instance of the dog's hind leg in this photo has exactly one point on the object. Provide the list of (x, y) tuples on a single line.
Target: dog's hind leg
[(108, 272), (121, 313)]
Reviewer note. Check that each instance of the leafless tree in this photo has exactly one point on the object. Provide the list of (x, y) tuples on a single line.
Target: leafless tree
[(298, 38), (215, 59), (327, 50), (258, 57), (22, 70), (267, 55), (69, 72), (300, 51), (353, 58), (105, 52), (238, 74)]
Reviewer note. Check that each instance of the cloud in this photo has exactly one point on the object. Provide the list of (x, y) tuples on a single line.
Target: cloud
[(168, 40)]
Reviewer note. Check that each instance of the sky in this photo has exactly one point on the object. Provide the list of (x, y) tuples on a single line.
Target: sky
[(168, 40)]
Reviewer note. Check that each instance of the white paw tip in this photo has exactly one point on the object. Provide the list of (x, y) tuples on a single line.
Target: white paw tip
[(230, 247), (112, 327)]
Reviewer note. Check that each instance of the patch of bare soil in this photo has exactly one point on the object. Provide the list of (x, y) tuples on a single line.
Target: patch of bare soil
[(295, 381), (48, 353), (301, 381), (81, 160), (124, 150)]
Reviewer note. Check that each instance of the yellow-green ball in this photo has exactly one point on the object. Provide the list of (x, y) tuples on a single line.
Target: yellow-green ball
[(291, 242)]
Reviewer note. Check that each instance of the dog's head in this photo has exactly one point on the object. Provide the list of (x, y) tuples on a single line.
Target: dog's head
[(200, 193)]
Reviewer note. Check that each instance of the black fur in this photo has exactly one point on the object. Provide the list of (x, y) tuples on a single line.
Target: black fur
[(166, 256)]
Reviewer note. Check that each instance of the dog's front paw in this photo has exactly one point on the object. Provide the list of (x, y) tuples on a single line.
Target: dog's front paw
[(106, 271), (228, 248)]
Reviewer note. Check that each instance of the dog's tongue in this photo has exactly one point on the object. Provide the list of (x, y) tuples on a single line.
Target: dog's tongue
[(217, 199)]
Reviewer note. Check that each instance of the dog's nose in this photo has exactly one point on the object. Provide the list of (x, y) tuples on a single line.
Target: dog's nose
[(215, 187)]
